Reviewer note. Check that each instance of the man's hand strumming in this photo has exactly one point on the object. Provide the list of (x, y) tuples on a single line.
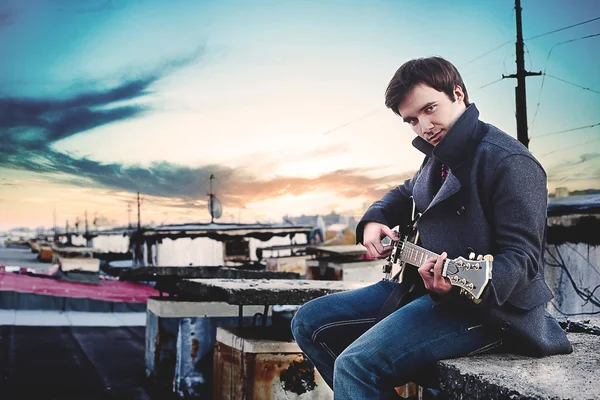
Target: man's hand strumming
[(372, 235)]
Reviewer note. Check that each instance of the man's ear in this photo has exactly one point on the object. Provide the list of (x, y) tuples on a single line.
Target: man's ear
[(459, 94)]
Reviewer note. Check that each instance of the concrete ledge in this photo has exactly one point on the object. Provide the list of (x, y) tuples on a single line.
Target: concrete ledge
[(235, 339), (262, 291), (165, 308), (507, 376)]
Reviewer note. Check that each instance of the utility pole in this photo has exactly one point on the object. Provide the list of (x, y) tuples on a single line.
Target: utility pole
[(520, 92)]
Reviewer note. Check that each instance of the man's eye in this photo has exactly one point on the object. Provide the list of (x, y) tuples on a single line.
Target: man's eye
[(430, 108), (413, 122)]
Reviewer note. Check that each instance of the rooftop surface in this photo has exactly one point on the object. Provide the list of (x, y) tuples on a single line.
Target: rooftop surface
[(67, 362)]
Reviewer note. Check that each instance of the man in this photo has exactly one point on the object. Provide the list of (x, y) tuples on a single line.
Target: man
[(478, 189)]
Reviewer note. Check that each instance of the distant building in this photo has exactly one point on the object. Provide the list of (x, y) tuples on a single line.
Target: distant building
[(561, 192)]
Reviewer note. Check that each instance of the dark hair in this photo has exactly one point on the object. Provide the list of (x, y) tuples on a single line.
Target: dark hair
[(435, 72)]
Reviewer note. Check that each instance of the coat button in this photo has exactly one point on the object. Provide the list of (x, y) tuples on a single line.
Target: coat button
[(461, 210), (505, 326)]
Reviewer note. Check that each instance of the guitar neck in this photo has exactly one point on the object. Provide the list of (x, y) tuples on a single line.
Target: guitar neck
[(415, 255)]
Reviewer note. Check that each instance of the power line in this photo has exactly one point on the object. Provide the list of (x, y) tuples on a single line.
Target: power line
[(562, 29), (485, 54), (491, 83), (571, 83), (531, 38), (353, 121), (570, 147), (567, 130), (537, 107)]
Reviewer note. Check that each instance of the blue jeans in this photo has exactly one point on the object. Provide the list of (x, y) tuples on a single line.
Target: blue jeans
[(361, 359)]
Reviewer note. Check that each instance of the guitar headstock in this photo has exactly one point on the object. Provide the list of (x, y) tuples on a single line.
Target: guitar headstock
[(471, 276)]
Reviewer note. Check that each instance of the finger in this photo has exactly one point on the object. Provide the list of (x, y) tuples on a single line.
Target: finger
[(438, 280), (372, 251), (387, 250), (389, 233), (378, 247), (424, 272), (430, 263), (437, 268)]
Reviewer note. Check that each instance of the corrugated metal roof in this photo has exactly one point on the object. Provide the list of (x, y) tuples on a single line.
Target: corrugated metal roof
[(228, 227)]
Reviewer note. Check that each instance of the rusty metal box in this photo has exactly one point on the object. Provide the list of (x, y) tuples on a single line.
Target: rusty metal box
[(253, 364)]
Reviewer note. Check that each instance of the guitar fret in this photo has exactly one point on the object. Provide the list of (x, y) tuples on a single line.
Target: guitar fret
[(416, 255)]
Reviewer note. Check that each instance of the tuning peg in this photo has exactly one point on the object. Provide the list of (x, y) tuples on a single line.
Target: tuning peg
[(488, 257), (471, 256), (479, 257)]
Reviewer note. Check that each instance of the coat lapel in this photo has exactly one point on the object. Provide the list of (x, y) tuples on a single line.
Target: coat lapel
[(449, 187), (424, 191)]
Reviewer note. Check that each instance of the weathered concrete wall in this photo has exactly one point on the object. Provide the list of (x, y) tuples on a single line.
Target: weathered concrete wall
[(205, 251), (571, 268)]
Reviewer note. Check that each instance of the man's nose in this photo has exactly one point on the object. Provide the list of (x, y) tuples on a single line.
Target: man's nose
[(426, 125)]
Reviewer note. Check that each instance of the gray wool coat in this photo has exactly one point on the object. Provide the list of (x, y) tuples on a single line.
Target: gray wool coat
[(494, 201)]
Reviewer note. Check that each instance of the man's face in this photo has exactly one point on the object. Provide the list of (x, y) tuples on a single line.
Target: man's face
[(430, 113)]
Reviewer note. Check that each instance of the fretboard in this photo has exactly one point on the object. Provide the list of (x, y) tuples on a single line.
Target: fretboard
[(415, 255)]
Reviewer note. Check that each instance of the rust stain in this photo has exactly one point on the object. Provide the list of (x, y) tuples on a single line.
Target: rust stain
[(195, 347), (299, 377)]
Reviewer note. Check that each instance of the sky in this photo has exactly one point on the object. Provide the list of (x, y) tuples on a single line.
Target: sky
[(282, 101)]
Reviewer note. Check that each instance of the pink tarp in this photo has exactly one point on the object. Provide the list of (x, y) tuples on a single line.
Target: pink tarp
[(110, 290)]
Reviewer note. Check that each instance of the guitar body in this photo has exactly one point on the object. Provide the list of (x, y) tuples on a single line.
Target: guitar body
[(395, 268)]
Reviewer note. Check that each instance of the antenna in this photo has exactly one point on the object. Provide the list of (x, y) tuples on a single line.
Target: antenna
[(214, 205), (54, 221), (139, 224), (129, 214)]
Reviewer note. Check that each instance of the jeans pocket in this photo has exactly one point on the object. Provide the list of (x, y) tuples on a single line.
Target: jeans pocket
[(487, 348)]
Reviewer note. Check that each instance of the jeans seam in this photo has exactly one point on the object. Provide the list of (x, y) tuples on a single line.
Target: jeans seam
[(487, 347), (340, 323), (328, 350)]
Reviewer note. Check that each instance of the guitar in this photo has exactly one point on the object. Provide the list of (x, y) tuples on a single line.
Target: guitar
[(471, 275)]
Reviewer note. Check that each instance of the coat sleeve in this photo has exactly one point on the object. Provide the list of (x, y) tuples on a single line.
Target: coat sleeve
[(518, 200), (393, 208)]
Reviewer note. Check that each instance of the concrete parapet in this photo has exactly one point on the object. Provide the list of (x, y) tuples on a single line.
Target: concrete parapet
[(509, 376)]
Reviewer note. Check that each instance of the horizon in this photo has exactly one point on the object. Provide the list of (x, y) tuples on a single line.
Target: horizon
[(282, 102)]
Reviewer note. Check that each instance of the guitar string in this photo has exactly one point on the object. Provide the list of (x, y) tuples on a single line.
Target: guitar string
[(414, 249)]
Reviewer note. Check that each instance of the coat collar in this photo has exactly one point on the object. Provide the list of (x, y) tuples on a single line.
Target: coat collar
[(460, 141)]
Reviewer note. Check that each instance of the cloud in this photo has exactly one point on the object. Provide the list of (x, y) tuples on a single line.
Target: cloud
[(585, 168), (29, 127), (33, 123), (187, 187)]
